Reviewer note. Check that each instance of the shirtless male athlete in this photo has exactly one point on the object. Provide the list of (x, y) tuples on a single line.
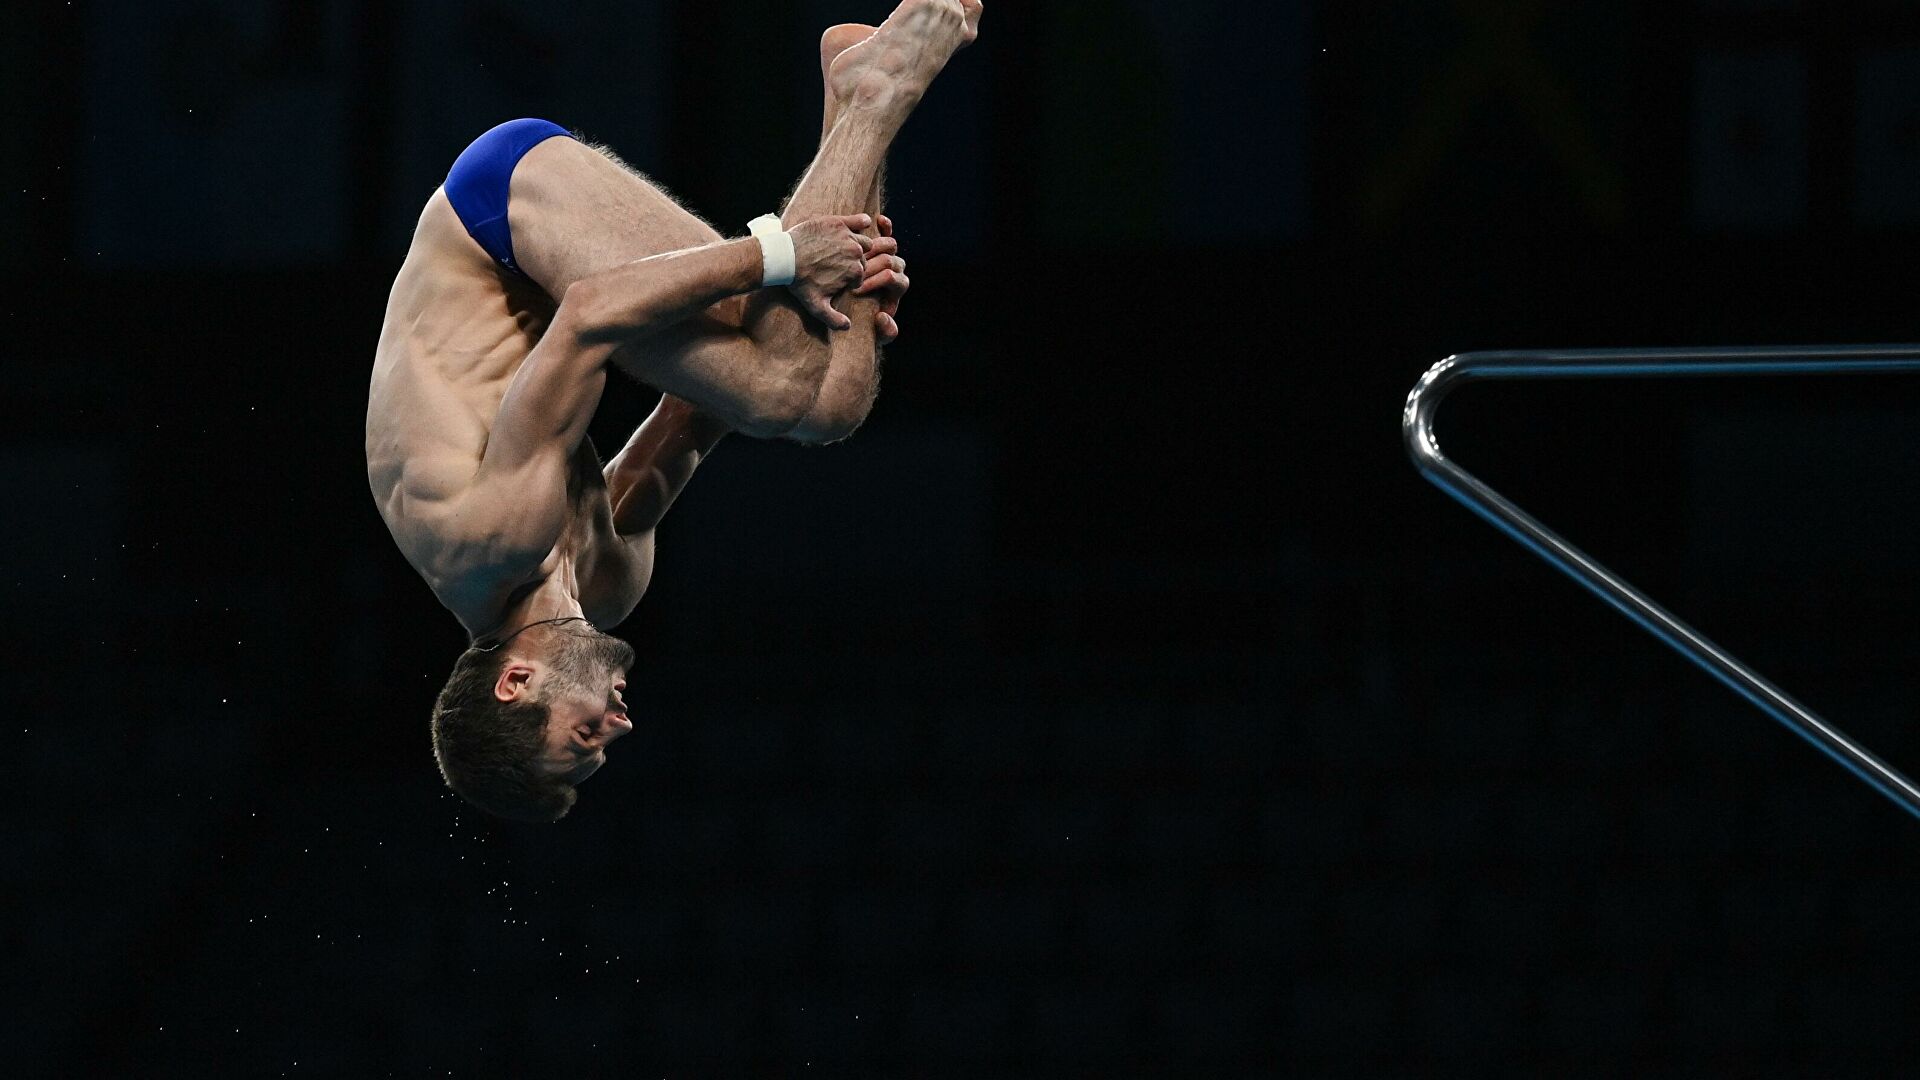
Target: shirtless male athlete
[(540, 263)]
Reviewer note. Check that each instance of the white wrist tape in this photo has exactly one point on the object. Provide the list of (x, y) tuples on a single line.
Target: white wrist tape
[(776, 250)]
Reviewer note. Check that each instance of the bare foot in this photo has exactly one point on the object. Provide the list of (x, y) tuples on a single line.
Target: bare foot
[(839, 39), (896, 63), (970, 14), (836, 40)]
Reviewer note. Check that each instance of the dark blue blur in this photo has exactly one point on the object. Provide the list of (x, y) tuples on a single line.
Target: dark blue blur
[(1118, 700)]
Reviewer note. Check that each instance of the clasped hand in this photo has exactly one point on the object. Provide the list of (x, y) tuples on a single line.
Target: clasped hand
[(832, 255)]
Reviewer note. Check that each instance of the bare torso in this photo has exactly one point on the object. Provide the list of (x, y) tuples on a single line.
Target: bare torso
[(456, 331)]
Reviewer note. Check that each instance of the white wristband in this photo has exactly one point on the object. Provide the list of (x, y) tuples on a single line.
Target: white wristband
[(776, 250)]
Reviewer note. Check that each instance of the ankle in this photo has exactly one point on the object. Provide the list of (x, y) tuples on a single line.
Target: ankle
[(879, 95)]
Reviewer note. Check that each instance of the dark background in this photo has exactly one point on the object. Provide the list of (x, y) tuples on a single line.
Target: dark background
[(1119, 699)]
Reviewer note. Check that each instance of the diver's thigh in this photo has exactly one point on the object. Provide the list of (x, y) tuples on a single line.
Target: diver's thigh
[(573, 212)]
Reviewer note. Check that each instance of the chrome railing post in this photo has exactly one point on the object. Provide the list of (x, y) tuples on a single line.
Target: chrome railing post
[(1417, 425)]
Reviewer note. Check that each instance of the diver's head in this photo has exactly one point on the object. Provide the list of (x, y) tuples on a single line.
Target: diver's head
[(520, 724)]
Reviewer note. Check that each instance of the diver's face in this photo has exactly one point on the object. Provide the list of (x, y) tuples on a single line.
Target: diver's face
[(583, 686)]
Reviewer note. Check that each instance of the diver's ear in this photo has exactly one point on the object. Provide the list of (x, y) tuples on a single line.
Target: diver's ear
[(515, 682)]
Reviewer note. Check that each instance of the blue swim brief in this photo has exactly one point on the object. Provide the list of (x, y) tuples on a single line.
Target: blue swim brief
[(477, 183)]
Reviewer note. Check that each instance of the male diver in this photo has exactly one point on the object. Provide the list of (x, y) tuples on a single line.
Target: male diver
[(540, 263)]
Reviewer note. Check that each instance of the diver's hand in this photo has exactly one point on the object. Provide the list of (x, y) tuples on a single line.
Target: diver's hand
[(829, 257), (886, 280)]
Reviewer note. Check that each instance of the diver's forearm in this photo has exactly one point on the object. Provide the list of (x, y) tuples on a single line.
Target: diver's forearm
[(647, 475)]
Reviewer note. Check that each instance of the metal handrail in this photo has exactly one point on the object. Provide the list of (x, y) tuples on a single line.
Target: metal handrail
[(1433, 387)]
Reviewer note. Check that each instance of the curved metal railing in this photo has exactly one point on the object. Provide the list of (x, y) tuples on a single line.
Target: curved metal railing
[(1417, 425)]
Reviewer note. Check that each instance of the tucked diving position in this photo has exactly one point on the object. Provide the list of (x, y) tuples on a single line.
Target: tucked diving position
[(539, 266)]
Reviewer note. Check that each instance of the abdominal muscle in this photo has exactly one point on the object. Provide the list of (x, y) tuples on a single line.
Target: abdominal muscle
[(456, 331)]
